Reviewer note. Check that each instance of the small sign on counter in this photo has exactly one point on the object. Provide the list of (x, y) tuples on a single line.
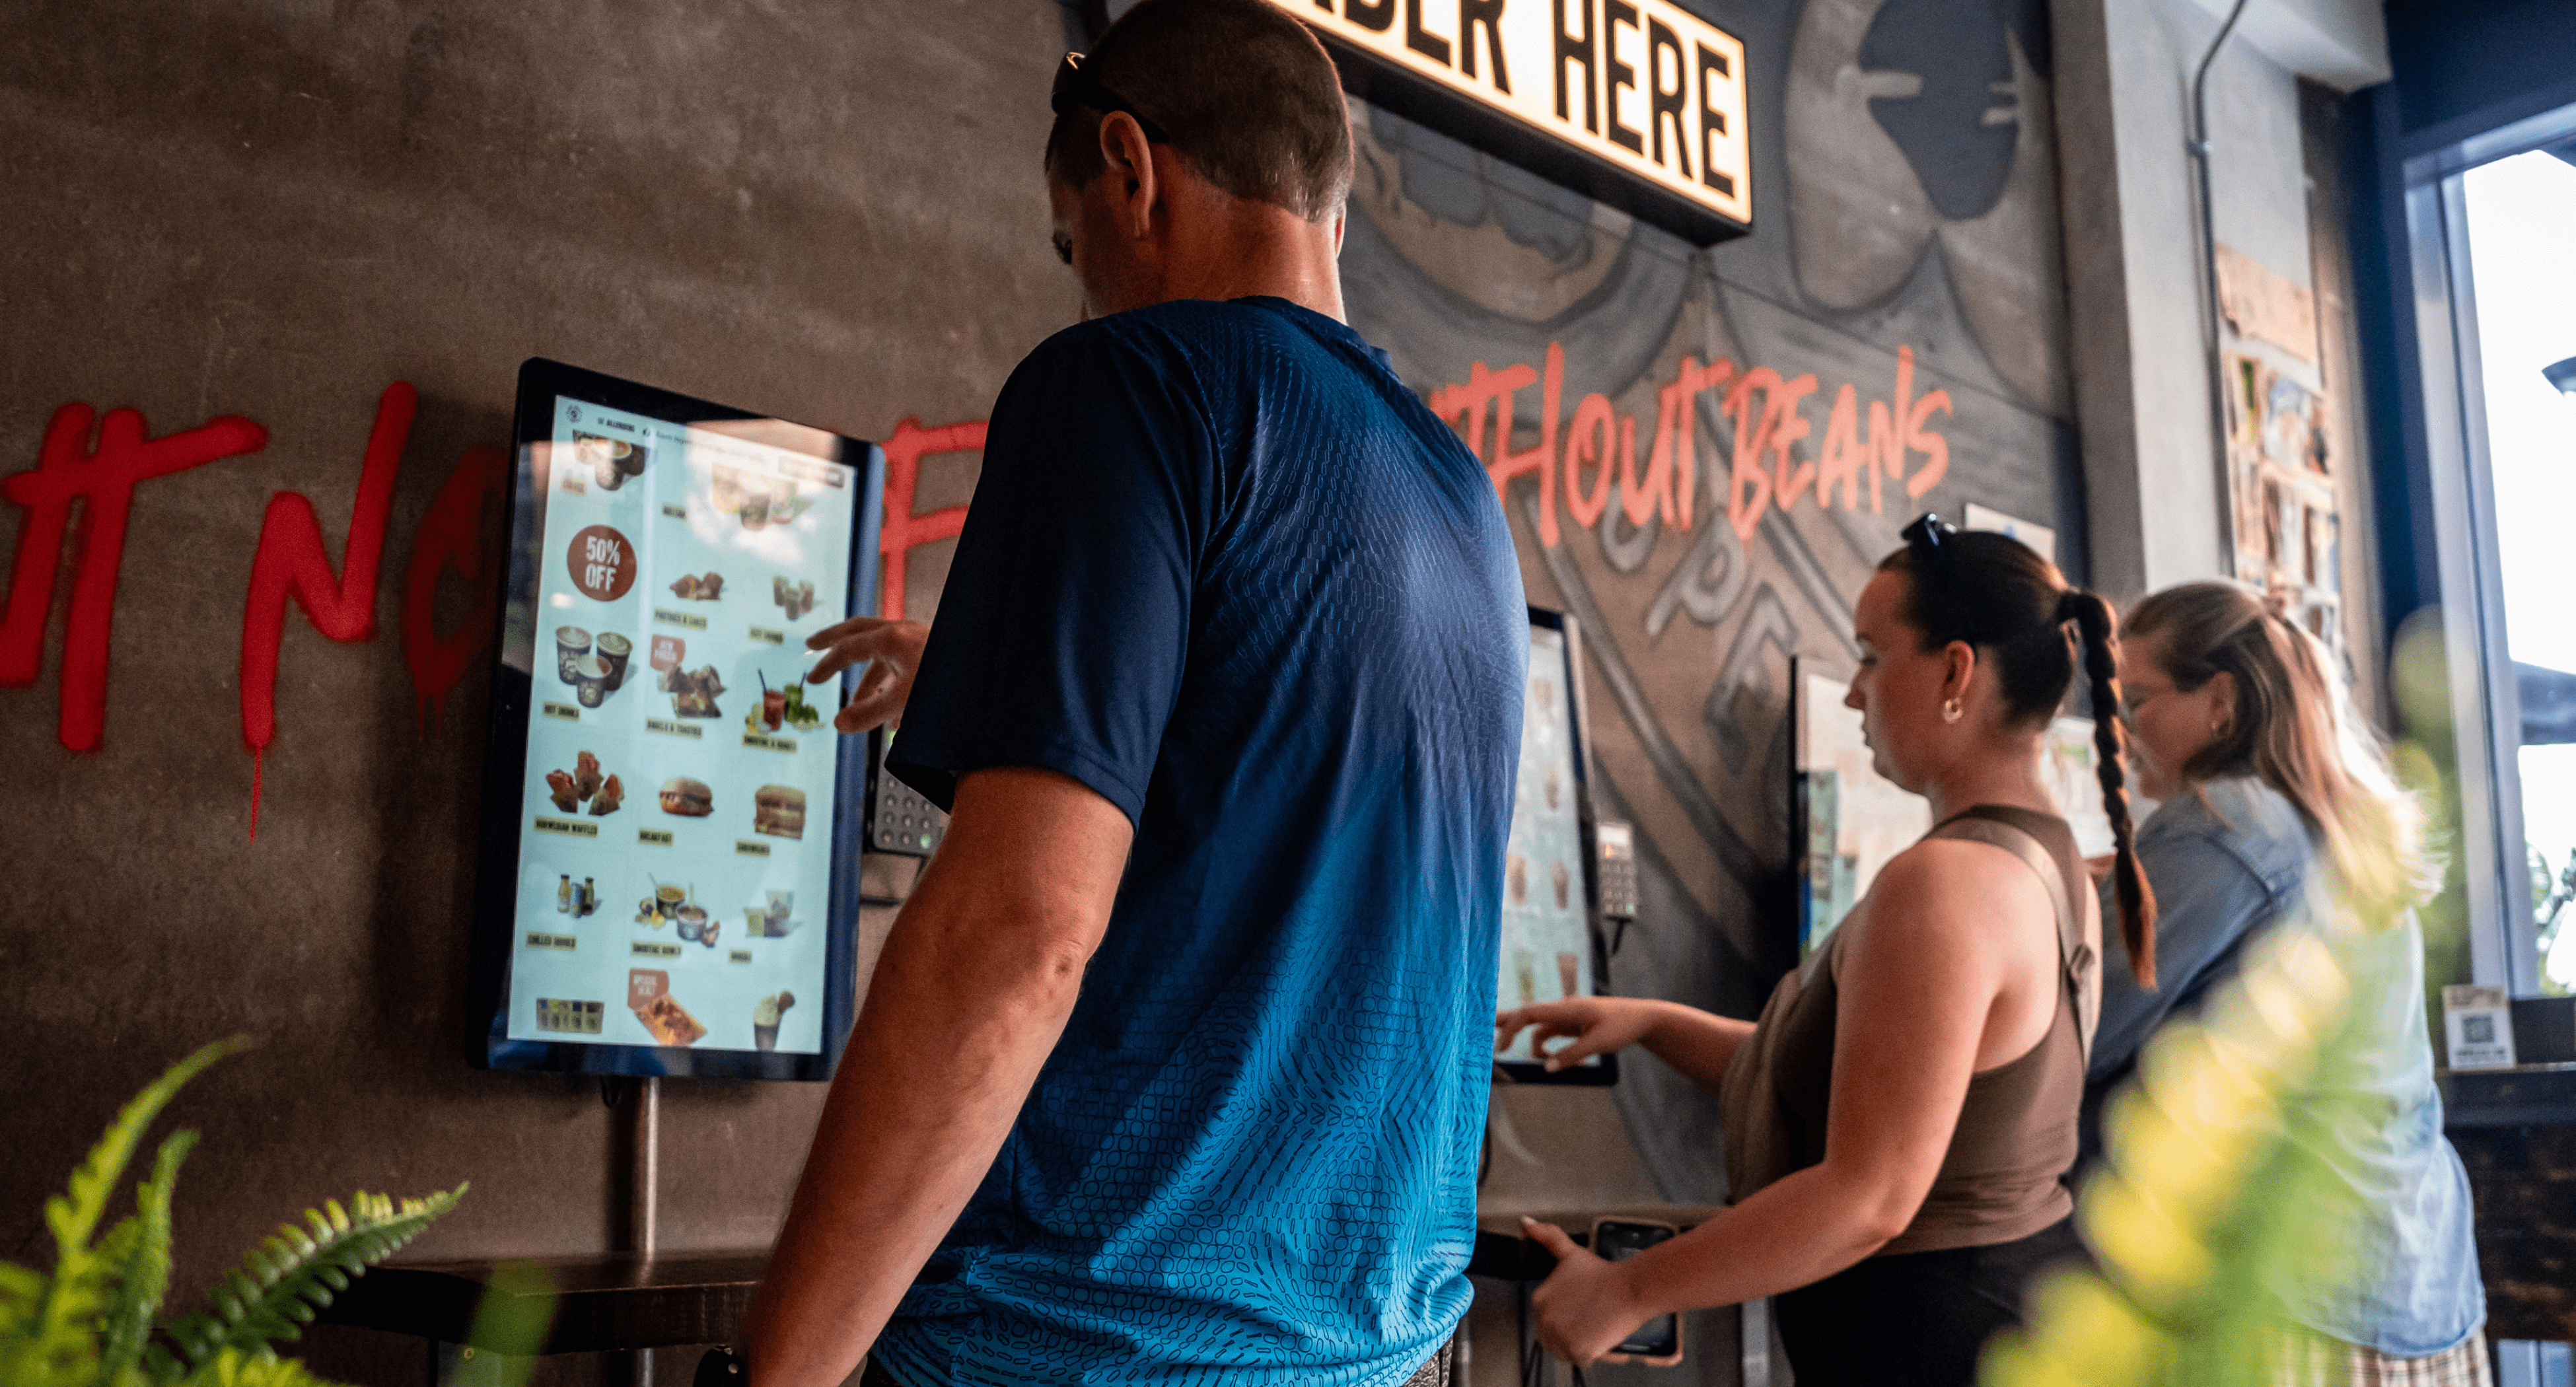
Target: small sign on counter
[(2478, 1024)]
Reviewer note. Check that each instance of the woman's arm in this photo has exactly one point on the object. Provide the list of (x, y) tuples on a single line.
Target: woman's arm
[(1697, 1043), (1916, 987)]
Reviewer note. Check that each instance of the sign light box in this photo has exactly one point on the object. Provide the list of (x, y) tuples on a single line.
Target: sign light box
[(1636, 103)]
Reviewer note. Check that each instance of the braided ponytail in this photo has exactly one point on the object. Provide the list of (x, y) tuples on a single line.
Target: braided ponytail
[(2096, 628)]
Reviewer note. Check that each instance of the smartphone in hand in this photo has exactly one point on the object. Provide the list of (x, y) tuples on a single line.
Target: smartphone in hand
[(1657, 1342)]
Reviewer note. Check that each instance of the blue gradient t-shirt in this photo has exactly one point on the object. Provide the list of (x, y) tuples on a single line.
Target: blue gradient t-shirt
[(1227, 571)]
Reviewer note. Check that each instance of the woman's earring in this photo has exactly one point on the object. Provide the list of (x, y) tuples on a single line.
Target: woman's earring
[(1949, 710)]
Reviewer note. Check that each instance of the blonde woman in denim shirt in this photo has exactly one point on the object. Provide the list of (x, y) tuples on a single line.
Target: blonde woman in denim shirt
[(2268, 792)]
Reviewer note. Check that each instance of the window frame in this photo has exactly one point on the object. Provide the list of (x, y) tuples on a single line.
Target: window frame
[(2486, 724)]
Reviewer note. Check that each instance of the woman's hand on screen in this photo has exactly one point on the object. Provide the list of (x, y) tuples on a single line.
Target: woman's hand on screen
[(1599, 1026), (892, 652)]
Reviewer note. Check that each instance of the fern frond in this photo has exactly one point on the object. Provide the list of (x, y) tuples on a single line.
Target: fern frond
[(145, 1270), (22, 1289), (235, 1368), (291, 1275), (73, 1216)]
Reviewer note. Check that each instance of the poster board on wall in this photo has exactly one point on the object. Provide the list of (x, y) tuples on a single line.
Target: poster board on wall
[(1850, 820)]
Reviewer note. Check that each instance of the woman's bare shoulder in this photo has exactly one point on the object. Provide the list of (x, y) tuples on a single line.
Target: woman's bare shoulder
[(1948, 885)]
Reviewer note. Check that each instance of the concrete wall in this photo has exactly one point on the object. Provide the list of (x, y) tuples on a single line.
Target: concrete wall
[(2134, 246), (275, 210)]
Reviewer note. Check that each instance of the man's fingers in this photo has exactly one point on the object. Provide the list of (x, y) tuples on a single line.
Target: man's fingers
[(839, 629), (860, 638), (864, 712), (841, 657)]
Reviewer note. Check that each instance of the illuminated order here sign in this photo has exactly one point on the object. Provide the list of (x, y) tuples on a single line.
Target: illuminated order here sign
[(1637, 102)]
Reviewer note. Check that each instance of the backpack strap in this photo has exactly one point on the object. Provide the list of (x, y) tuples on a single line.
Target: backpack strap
[(2077, 961)]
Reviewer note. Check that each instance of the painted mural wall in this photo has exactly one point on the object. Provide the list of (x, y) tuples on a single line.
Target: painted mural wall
[(1704, 453)]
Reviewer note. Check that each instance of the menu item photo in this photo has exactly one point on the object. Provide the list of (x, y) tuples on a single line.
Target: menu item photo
[(660, 540), (778, 811), (689, 798)]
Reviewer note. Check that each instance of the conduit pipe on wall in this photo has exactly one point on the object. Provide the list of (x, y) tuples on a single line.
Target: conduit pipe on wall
[(2198, 148), (648, 1191)]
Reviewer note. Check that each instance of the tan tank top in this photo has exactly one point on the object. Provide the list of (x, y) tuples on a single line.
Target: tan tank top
[(2003, 1176)]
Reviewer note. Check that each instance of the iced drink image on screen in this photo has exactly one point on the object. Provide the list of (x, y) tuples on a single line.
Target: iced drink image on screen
[(1525, 972), (1559, 878), (1568, 969), (1515, 878), (764, 1019)]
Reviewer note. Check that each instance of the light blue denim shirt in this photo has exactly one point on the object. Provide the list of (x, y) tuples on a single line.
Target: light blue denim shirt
[(2226, 864)]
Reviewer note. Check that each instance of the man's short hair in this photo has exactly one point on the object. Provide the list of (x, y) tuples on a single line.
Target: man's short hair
[(1243, 90)]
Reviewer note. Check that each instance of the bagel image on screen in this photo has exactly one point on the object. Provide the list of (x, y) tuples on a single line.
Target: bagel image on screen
[(676, 820)]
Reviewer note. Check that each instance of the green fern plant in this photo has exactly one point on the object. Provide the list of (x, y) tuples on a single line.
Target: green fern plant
[(92, 1322)]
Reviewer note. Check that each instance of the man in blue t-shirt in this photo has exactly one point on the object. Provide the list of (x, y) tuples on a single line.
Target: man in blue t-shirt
[(1173, 1069)]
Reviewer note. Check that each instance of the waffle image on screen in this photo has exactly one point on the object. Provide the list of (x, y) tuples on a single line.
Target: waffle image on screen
[(1547, 936)]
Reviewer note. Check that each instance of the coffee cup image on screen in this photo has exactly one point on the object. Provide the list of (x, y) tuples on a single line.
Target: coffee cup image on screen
[(674, 763)]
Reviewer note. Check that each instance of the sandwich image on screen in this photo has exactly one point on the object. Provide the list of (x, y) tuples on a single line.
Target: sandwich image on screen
[(778, 811)]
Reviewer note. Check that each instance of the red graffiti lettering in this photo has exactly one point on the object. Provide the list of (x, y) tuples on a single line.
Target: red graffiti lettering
[(1769, 419), (1540, 461), (903, 530), (1849, 457), (1932, 446), (292, 562), (1672, 471), (103, 479), (1490, 392), (1589, 439), (452, 534), (1749, 487)]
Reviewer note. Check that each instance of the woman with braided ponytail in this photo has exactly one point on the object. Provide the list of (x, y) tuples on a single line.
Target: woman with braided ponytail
[(1900, 1122), (2275, 803)]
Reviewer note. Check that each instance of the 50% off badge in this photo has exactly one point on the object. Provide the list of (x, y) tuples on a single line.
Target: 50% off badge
[(602, 563)]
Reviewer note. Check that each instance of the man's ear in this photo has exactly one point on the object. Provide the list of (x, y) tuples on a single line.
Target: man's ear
[(1129, 158)]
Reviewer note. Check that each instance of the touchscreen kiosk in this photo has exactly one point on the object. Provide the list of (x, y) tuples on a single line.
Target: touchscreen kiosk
[(670, 824), (1549, 945)]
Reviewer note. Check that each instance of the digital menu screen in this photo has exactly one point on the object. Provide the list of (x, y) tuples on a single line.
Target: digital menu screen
[(676, 814), (1547, 933)]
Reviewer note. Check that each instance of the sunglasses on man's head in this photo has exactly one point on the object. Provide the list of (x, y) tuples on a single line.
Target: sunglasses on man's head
[(1075, 86)]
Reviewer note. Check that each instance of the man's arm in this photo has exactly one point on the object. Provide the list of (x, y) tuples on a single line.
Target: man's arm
[(968, 998)]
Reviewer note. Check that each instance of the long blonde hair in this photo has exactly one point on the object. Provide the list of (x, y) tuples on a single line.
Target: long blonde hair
[(2294, 727)]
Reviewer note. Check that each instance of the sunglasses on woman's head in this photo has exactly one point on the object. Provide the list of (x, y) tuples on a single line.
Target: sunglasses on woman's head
[(1927, 534)]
